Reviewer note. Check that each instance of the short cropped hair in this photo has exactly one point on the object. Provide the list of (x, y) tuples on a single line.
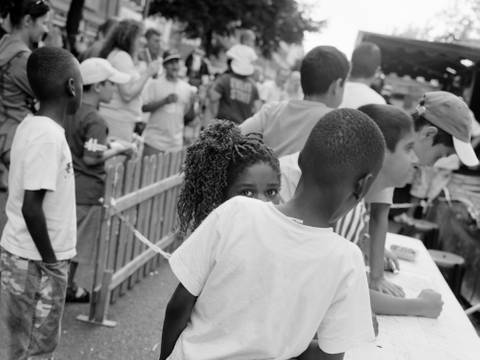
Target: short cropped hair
[(151, 32), (392, 121), (441, 137), (366, 59), (321, 67), (48, 70), (344, 144)]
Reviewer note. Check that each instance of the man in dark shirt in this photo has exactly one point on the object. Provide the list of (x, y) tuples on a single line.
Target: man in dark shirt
[(235, 94), (86, 134)]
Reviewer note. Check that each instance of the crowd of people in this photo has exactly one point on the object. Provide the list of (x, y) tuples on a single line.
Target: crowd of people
[(285, 199)]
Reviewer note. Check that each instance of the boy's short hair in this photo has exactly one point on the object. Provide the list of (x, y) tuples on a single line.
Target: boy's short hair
[(48, 70), (344, 144), (321, 67), (392, 121), (441, 137), (366, 59)]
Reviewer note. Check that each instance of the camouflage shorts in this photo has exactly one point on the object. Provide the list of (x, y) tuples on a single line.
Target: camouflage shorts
[(32, 295)]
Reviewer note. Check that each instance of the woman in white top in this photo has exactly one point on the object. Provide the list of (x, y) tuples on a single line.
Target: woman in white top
[(121, 48)]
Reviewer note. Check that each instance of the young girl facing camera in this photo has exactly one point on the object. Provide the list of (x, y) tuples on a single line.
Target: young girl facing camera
[(222, 164)]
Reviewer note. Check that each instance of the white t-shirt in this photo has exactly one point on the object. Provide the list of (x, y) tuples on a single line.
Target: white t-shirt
[(121, 115), (351, 225), (41, 159), (164, 130), (285, 125), (269, 91), (266, 284), (358, 94)]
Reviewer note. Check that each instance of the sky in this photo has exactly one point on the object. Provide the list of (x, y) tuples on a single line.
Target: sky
[(347, 17)]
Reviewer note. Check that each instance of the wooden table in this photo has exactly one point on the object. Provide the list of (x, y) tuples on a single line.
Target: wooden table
[(450, 337)]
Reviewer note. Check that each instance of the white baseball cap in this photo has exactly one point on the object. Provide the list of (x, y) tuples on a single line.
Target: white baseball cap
[(95, 70)]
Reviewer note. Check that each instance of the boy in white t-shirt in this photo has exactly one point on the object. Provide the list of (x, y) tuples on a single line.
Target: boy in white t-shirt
[(258, 281), (40, 235)]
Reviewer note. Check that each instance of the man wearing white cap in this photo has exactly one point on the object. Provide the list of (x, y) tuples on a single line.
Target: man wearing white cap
[(86, 134), (234, 92)]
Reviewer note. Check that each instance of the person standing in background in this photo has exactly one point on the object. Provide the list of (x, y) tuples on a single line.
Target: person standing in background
[(121, 49), (168, 99), (28, 20), (274, 90)]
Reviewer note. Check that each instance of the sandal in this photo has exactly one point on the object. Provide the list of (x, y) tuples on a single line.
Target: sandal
[(77, 295)]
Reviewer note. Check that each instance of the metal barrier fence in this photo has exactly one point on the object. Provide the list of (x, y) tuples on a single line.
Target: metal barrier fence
[(143, 194)]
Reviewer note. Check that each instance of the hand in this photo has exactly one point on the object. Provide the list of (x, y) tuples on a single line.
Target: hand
[(391, 259), (129, 150), (431, 303), (386, 287), (153, 68), (171, 98)]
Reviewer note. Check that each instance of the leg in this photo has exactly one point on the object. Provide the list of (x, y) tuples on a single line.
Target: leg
[(19, 285), (49, 308)]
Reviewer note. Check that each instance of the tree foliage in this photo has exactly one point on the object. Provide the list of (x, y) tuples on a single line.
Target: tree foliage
[(272, 20), (458, 23)]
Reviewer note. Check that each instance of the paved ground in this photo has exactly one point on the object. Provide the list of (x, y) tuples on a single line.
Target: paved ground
[(139, 315)]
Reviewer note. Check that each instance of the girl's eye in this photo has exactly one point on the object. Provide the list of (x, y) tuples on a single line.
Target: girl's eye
[(248, 193), (272, 193)]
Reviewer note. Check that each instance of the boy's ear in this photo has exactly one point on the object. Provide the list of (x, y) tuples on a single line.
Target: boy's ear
[(27, 21), (362, 186), (71, 87), (428, 132), (96, 87)]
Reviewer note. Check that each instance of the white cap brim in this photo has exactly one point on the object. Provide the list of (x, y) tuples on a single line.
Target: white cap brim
[(465, 152), (118, 77)]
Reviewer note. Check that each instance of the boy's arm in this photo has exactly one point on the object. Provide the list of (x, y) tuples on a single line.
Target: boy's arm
[(34, 216), (177, 315), (428, 304), (378, 227), (313, 352), (154, 105)]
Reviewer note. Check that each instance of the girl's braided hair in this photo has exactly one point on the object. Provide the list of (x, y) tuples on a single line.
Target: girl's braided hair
[(211, 165)]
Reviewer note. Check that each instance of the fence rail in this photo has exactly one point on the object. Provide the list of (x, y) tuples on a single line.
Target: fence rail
[(144, 193)]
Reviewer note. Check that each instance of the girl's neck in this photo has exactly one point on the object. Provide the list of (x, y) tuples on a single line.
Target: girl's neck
[(21, 34)]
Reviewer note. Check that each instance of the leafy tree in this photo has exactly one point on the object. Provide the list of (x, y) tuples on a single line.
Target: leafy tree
[(272, 20)]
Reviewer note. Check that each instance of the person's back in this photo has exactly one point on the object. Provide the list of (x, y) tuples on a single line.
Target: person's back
[(238, 96), (285, 126), (259, 280), (366, 61), (259, 262)]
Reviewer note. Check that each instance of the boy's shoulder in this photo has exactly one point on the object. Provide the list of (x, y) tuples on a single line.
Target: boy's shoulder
[(41, 128)]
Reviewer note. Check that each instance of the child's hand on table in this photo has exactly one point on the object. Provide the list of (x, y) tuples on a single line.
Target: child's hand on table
[(430, 303), (384, 286)]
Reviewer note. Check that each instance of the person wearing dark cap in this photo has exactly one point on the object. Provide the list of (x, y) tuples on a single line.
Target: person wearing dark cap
[(167, 98)]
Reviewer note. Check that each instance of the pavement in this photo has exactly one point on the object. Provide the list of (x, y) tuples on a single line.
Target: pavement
[(139, 316)]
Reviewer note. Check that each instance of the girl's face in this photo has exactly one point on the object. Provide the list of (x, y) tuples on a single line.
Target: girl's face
[(37, 28), (258, 181)]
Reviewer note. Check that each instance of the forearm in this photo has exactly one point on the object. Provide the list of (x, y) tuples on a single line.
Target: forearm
[(151, 107), (313, 352), (132, 89), (378, 231), (384, 304), (37, 227)]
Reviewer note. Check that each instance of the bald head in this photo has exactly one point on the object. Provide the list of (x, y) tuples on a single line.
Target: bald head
[(54, 76), (344, 146), (366, 60)]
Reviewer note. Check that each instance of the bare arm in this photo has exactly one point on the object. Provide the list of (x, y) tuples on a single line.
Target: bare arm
[(154, 105), (427, 304), (313, 352), (177, 316), (34, 216), (378, 227), (133, 88)]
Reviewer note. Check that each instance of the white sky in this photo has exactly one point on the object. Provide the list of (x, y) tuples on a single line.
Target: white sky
[(347, 17)]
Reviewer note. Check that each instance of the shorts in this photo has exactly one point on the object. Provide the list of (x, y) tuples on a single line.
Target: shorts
[(32, 295), (89, 221)]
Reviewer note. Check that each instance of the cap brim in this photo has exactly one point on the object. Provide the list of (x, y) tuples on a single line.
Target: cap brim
[(171, 58), (465, 152), (119, 77)]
